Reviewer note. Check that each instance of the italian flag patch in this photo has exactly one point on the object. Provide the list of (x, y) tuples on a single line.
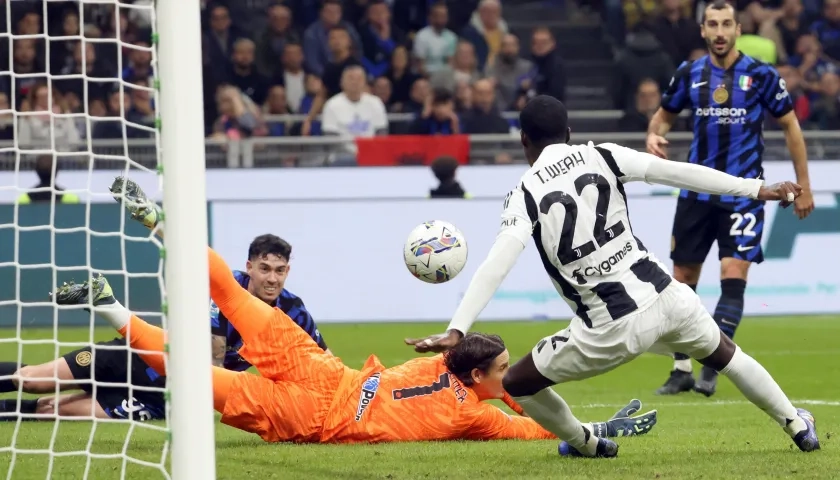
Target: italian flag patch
[(745, 82)]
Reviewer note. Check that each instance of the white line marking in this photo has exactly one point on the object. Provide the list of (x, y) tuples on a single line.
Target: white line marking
[(711, 403)]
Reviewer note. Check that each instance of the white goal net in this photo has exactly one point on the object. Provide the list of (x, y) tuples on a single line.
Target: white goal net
[(79, 105)]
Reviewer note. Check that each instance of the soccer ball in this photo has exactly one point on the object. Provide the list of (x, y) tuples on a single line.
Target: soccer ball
[(435, 251)]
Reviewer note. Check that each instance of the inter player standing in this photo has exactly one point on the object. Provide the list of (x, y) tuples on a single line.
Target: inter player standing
[(572, 202), (729, 94)]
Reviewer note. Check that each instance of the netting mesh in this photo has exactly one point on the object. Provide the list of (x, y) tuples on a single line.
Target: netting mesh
[(78, 78)]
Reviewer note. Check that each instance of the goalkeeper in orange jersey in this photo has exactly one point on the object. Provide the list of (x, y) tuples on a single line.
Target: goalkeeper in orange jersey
[(305, 395)]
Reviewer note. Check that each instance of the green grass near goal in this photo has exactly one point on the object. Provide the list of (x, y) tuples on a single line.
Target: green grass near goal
[(722, 437)]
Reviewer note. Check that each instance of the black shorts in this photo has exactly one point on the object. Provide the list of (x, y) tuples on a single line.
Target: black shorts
[(111, 365), (737, 228)]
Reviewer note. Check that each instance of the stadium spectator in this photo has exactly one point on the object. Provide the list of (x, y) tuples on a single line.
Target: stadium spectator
[(142, 109), (271, 44), (401, 77), (509, 71), (46, 190), (314, 90), (637, 118), (435, 44), (118, 107), (550, 75), (642, 58), (827, 29), (84, 56), (7, 119), (139, 62), (485, 31), (38, 129), (219, 40), (438, 117), (811, 63), (238, 118), (292, 76), (381, 88), (463, 98), (411, 16), (787, 29), (753, 13), (462, 68), (61, 51), (316, 43), (341, 57), (277, 104), (444, 169), (379, 38), (484, 117), (826, 109), (677, 32), (244, 74), (354, 112), (421, 90), (25, 62)]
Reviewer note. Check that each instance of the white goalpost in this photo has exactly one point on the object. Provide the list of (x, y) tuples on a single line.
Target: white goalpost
[(64, 113)]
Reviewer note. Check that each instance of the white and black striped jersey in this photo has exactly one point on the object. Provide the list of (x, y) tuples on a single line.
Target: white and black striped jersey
[(572, 202)]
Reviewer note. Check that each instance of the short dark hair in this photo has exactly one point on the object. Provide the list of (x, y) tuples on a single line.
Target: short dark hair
[(719, 5), (476, 350), (444, 168), (545, 121), (441, 95), (269, 244), (324, 3)]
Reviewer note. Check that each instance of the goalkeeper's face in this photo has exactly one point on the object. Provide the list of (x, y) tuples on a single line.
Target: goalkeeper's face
[(487, 383), (268, 276)]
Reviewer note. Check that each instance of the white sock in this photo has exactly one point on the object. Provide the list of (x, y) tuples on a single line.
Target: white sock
[(683, 365), (760, 388), (549, 409), (117, 315)]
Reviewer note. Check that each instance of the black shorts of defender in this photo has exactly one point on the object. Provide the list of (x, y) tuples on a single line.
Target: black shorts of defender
[(737, 227), (111, 365)]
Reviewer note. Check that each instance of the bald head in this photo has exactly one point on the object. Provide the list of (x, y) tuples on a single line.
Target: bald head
[(484, 96)]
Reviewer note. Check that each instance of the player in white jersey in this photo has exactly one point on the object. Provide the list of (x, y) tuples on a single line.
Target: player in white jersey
[(572, 202)]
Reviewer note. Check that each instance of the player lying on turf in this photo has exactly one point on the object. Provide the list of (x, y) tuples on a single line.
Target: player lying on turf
[(306, 395), (265, 275)]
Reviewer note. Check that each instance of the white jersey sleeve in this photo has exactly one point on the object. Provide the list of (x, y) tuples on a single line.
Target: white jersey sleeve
[(636, 166), (514, 233)]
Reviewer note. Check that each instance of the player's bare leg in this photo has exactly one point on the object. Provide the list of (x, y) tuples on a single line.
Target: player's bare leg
[(147, 339), (531, 390), (681, 378), (728, 313), (44, 378), (761, 389)]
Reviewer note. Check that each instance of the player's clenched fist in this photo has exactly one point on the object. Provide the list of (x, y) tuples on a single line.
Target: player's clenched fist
[(783, 192), (656, 145)]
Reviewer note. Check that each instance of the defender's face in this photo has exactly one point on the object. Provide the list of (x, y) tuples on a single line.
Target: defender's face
[(268, 276), (720, 30), (489, 384)]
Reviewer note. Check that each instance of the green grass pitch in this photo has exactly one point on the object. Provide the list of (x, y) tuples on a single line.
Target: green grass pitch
[(697, 438)]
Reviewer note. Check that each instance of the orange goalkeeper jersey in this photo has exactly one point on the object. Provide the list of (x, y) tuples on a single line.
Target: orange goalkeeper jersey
[(418, 400)]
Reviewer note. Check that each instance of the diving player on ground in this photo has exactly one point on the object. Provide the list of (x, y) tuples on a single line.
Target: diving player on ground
[(264, 277), (729, 94), (572, 202), (306, 395)]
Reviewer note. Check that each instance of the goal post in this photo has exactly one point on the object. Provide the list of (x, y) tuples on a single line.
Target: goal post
[(186, 266)]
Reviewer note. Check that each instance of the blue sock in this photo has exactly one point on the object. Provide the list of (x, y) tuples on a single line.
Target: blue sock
[(730, 307), (682, 356)]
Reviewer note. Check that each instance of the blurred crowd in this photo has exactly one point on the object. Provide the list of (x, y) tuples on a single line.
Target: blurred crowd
[(333, 67), (800, 37)]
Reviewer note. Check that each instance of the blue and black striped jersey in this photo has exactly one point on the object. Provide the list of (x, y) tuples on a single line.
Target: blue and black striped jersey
[(728, 111), (287, 301)]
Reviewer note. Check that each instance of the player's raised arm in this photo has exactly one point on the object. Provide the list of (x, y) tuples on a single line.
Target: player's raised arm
[(516, 229), (629, 165), (776, 99), (674, 101)]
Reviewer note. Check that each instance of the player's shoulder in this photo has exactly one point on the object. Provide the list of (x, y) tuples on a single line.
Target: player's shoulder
[(290, 298), (755, 66), (687, 67)]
